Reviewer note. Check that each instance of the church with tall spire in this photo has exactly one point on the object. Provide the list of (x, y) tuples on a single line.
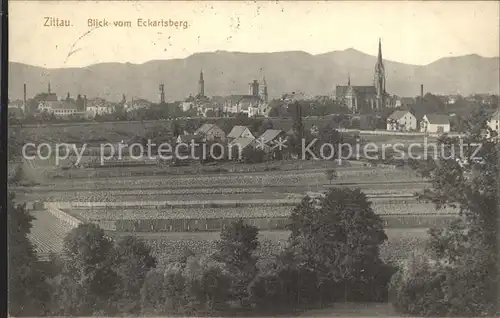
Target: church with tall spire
[(370, 97)]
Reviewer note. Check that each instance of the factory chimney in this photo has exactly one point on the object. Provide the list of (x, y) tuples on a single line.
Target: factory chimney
[(24, 99), (421, 95), (162, 94)]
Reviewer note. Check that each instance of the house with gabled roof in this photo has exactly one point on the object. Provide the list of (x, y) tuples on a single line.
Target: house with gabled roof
[(238, 145), (240, 132), (402, 120), (434, 123), (270, 138), (211, 132)]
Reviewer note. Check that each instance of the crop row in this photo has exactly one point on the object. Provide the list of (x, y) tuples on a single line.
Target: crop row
[(148, 170), (208, 193), (395, 207), (148, 194), (182, 213), (264, 179), (48, 232), (166, 249)]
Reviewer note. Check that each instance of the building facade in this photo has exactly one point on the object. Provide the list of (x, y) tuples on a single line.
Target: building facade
[(432, 123), (98, 107), (402, 120), (253, 104)]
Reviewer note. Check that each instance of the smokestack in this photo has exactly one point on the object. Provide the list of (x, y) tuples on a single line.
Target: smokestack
[(84, 102), (162, 94), (421, 95), (24, 99)]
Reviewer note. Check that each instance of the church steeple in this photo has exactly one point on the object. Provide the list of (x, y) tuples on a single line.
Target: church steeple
[(348, 79), (201, 85), (379, 51), (48, 88), (379, 76)]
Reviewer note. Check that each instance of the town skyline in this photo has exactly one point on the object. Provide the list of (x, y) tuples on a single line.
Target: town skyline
[(443, 29)]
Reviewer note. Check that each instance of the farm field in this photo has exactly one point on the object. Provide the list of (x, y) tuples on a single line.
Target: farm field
[(168, 246), (187, 194), (380, 206), (47, 233), (271, 178), (373, 186)]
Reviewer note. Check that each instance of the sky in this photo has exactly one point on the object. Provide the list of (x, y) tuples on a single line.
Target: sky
[(411, 32)]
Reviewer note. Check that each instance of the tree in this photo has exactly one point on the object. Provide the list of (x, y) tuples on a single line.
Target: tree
[(208, 285), (132, 260), (28, 291), (87, 283), (236, 249), (253, 155), (283, 285), (464, 253), (337, 236)]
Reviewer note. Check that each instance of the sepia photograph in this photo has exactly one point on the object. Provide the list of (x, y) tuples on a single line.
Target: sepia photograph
[(253, 158)]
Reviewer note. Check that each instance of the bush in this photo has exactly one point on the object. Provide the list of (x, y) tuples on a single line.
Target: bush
[(450, 278)]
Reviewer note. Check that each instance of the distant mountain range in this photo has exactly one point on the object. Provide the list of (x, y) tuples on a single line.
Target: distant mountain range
[(228, 73)]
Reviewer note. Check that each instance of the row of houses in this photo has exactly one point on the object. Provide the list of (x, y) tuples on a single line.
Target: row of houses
[(239, 136), (403, 120)]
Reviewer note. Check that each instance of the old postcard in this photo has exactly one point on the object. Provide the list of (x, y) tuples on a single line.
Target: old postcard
[(233, 158)]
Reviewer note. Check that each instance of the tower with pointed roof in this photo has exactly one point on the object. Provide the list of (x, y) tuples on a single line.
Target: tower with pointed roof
[(201, 85), (263, 90), (379, 76)]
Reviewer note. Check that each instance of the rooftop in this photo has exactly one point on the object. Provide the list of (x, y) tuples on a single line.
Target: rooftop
[(398, 114), (236, 131), (270, 135), (436, 119)]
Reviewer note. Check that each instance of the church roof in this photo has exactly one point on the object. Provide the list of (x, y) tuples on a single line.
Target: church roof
[(365, 89), (342, 90)]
